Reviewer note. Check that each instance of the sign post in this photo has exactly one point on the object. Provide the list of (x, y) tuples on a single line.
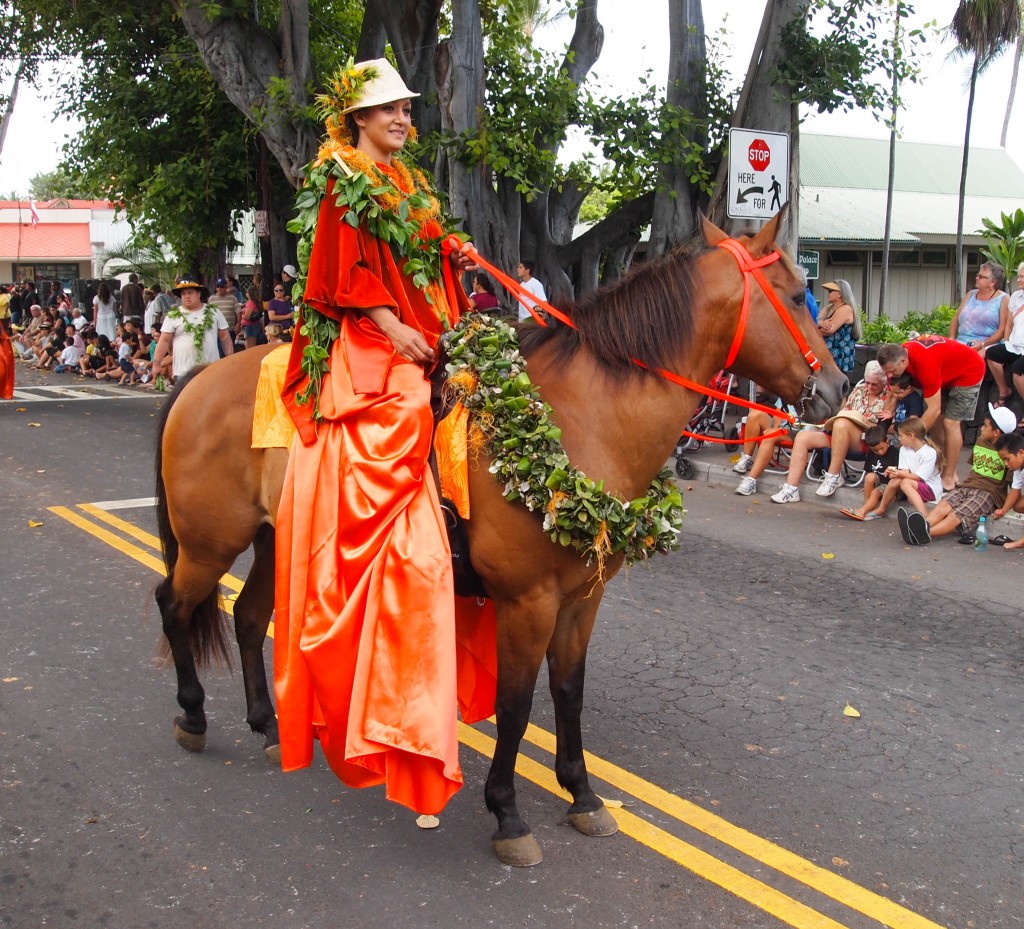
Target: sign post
[(758, 173), (811, 263)]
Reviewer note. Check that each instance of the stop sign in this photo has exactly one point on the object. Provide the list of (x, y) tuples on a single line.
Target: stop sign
[(759, 154)]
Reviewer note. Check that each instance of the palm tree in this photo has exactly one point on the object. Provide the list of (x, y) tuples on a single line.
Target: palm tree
[(1018, 52), (529, 15), (981, 29)]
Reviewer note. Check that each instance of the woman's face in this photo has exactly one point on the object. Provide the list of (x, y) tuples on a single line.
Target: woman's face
[(834, 296), (875, 387), (1020, 279), (383, 129), (983, 279)]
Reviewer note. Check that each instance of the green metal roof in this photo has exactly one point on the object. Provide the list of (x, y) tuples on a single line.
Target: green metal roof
[(921, 167), (843, 188)]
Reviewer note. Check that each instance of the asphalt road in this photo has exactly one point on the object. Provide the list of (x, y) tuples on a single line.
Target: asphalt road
[(717, 681)]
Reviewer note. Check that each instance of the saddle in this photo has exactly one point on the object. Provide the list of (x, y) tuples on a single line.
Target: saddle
[(467, 582)]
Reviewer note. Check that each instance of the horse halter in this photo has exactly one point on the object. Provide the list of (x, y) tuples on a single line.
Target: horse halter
[(751, 267)]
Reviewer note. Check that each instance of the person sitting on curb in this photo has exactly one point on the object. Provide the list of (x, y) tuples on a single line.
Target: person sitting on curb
[(757, 455), (917, 475), (880, 458), (869, 402), (977, 495), (1011, 451)]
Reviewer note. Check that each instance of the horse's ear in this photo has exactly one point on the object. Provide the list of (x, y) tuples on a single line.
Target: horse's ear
[(770, 234), (712, 234)]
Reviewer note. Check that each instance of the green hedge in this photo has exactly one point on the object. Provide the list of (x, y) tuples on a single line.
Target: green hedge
[(885, 330)]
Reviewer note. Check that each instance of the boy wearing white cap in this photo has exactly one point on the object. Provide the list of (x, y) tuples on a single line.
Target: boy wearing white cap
[(983, 490)]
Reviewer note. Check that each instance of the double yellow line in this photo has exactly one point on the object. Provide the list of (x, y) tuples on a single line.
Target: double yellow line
[(95, 521)]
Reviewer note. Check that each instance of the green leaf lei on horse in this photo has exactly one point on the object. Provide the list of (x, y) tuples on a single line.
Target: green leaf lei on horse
[(488, 376)]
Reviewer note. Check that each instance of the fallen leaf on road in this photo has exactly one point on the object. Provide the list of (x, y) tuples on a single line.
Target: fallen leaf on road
[(20, 409), (828, 556), (11, 680), (35, 424), (427, 822), (612, 804), (851, 712), (32, 524), (839, 862)]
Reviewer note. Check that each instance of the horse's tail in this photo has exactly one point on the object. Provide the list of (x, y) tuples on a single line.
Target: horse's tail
[(206, 634)]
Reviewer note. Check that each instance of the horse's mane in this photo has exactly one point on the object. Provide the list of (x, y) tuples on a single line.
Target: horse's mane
[(644, 316)]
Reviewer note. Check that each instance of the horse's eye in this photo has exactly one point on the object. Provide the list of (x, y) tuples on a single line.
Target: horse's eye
[(801, 298)]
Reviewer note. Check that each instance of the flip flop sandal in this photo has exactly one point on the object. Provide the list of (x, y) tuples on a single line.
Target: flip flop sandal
[(870, 516), (1000, 540), (966, 540), (918, 528), (904, 520), (846, 511)]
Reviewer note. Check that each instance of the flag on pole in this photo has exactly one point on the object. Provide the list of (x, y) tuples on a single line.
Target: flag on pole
[(35, 213)]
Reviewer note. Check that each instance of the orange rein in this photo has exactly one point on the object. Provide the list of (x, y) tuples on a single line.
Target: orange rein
[(749, 266)]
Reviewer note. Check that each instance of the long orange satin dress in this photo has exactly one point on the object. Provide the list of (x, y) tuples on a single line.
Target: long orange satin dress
[(369, 642)]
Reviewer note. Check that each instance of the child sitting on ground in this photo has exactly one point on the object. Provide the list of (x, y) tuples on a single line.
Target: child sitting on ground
[(880, 456), (1011, 451), (978, 495), (69, 357), (918, 474)]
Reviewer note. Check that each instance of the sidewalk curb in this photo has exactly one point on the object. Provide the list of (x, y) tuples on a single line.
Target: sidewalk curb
[(722, 474)]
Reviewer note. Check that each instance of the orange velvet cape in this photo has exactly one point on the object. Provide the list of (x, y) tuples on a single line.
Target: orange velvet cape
[(373, 652)]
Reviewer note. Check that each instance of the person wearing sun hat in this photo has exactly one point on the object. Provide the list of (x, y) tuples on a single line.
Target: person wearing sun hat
[(365, 616), (193, 331), (839, 324)]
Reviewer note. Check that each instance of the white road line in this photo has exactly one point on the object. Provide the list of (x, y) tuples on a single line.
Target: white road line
[(125, 504), (48, 394)]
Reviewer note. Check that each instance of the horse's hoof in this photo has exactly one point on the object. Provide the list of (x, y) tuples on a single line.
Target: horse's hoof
[(273, 753), (596, 822), (521, 852), (190, 741)]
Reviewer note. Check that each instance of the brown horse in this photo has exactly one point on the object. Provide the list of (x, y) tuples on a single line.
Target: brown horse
[(217, 495)]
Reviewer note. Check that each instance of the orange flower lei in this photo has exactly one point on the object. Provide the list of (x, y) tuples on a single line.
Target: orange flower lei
[(410, 178)]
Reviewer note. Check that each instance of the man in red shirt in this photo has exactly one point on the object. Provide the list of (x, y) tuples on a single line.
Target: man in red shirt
[(939, 364)]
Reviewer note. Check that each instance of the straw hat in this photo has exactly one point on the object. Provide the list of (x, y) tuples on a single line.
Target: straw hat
[(380, 83), (184, 283)]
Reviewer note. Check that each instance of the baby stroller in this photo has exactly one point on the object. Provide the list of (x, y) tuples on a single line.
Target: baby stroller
[(707, 420)]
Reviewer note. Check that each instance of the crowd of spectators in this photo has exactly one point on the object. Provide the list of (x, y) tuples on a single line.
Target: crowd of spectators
[(111, 335)]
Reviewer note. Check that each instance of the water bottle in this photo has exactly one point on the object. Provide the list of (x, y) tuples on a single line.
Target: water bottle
[(981, 536)]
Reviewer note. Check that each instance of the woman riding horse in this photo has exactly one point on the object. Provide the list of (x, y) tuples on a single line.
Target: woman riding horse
[(365, 606)]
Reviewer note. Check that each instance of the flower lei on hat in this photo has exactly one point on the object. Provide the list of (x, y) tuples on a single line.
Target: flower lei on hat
[(196, 330), (394, 211), (488, 376)]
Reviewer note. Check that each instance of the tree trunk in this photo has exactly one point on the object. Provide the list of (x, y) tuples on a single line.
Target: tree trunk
[(675, 215), (883, 286), (411, 27), (1018, 52), (460, 88), (243, 60), (766, 105), (9, 112), (960, 275)]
